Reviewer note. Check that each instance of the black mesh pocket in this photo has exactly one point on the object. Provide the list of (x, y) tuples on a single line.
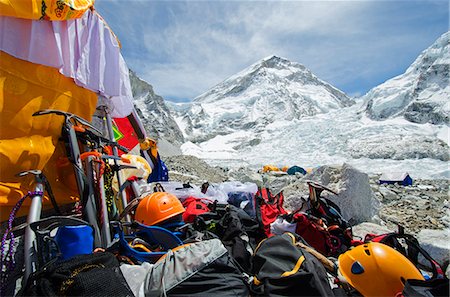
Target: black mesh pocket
[(96, 274)]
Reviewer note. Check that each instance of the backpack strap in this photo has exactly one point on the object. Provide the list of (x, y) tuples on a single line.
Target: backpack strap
[(414, 248), (411, 252)]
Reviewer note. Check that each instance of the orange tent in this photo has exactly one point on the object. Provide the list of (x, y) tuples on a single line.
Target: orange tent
[(26, 86)]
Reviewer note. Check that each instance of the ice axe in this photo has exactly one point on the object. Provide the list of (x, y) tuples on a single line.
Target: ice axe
[(315, 190), (327, 263), (72, 123)]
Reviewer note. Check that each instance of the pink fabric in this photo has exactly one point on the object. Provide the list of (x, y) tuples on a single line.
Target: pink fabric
[(84, 49)]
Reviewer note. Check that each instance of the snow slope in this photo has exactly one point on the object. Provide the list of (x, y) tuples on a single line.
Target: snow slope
[(340, 136), (278, 112), (421, 94), (271, 89)]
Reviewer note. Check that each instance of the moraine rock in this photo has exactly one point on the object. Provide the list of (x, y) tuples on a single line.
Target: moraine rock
[(356, 198), (360, 230), (436, 243), (193, 170), (245, 174), (423, 205), (276, 183)]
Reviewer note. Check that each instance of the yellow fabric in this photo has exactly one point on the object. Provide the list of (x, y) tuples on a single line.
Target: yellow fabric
[(28, 142), (51, 10), (149, 144), (296, 267), (141, 169), (268, 168)]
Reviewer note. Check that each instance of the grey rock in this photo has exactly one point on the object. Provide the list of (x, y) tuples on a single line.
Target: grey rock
[(387, 194), (244, 174), (191, 169), (360, 230), (356, 198), (277, 183), (436, 243), (153, 112)]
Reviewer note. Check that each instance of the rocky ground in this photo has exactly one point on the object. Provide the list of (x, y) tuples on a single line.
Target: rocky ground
[(191, 169), (423, 209), (424, 205)]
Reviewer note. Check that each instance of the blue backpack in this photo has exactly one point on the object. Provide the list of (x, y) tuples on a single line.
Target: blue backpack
[(160, 171)]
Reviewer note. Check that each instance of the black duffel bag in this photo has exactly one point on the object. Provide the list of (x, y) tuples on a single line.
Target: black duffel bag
[(282, 268), (96, 274)]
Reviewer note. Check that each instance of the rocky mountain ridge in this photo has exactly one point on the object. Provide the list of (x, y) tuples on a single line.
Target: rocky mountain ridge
[(421, 94), (156, 117)]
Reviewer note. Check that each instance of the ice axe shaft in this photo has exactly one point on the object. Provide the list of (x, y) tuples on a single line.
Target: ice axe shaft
[(74, 154), (327, 263), (315, 190)]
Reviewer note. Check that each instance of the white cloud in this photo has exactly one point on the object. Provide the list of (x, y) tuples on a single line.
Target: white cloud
[(206, 42), (184, 48)]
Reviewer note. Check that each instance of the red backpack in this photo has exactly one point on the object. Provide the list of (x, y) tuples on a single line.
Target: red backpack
[(194, 206), (313, 232), (268, 207)]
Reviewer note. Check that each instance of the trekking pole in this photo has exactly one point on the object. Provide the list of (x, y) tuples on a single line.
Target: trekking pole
[(34, 214), (102, 211), (73, 151)]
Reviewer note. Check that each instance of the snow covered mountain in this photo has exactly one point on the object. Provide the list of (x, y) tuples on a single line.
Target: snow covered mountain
[(154, 113), (421, 94), (278, 112), (270, 90)]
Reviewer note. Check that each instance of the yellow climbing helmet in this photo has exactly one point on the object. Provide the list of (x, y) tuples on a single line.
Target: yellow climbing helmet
[(375, 269)]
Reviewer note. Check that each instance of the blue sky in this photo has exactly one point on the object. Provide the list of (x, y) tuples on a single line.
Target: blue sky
[(183, 48)]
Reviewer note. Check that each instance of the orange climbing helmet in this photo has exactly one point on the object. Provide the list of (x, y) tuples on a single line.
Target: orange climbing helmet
[(158, 207), (375, 269)]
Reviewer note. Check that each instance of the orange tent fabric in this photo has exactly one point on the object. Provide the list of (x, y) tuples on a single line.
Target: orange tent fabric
[(28, 142)]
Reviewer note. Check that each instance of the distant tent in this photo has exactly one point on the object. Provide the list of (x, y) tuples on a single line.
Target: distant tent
[(294, 169), (268, 168), (401, 178)]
